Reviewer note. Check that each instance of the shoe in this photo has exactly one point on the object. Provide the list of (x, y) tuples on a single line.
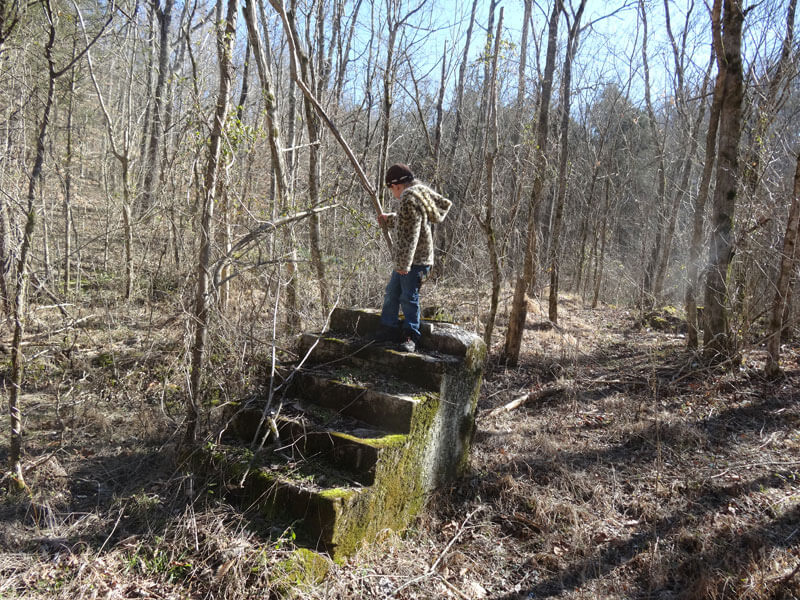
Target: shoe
[(386, 335), (408, 345)]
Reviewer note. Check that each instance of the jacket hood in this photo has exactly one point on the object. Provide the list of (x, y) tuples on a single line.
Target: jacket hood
[(434, 205)]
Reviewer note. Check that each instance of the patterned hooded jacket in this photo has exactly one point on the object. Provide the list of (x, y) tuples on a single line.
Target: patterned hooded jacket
[(419, 207)]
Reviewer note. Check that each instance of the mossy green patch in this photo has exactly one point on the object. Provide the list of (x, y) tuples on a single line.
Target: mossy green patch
[(664, 318), (386, 441), (302, 568), (337, 494)]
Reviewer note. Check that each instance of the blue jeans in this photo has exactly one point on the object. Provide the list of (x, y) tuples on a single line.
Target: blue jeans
[(403, 291)]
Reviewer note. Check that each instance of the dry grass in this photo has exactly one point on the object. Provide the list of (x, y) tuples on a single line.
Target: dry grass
[(645, 476)]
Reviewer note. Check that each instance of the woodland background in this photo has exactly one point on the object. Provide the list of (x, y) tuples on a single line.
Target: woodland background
[(213, 170)]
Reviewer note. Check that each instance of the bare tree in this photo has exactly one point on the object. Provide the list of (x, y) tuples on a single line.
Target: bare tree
[(696, 241), (226, 34), (718, 341), (777, 322), (394, 22), (153, 157), (490, 153), (313, 126), (689, 143), (648, 286), (553, 259), (462, 70), (519, 308), (17, 358), (22, 276), (767, 106), (122, 152), (308, 93), (9, 18)]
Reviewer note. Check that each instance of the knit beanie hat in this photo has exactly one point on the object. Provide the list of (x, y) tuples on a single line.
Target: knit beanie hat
[(399, 173)]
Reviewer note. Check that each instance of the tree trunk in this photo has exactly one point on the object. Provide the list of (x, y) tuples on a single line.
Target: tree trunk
[(344, 53), (279, 171), (483, 110), (718, 342), (225, 40), (151, 173), (767, 108), (649, 291), (680, 191), (314, 160), (20, 307), (437, 130), (696, 244), (777, 322), (554, 262), (68, 181), (268, 91), (599, 264), (462, 70), (519, 308), (490, 153), (691, 133), (123, 157), (365, 182)]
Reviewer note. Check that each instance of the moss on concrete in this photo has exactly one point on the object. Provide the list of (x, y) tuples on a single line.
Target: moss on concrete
[(337, 494), (386, 441), (399, 491)]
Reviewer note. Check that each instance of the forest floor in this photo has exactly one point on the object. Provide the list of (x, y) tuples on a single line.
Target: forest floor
[(629, 471)]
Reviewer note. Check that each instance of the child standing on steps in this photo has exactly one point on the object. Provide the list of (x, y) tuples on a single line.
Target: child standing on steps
[(412, 254)]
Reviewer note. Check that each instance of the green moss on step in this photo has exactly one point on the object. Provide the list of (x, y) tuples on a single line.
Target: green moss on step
[(386, 441), (337, 494), (400, 487)]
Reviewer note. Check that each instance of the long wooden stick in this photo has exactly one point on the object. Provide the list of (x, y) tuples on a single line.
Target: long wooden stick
[(293, 50)]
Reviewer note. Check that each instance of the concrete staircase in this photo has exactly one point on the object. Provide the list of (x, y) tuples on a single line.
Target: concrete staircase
[(358, 434)]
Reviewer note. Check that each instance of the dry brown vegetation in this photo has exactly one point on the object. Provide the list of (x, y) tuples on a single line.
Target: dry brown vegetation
[(639, 474), (631, 470)]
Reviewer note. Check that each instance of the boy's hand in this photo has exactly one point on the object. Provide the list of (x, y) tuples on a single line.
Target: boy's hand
[(382, 218)]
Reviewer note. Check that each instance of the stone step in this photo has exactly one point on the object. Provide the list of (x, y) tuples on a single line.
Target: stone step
[(313, 498), (320, 435), (422, 369), (366, 432), (362, 394), (437, 336), (363, 322)]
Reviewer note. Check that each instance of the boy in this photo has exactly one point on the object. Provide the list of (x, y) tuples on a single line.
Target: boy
[(412, 254)]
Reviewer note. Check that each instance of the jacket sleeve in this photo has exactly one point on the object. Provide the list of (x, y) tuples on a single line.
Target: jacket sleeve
[(391, 220), (408, 225)]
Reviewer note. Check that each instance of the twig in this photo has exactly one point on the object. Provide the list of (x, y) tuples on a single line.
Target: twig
[(548, 390), (45, 334), (113, 529), (40, 285), (760, 464), (787, 578), (453, 588), (432, 569)]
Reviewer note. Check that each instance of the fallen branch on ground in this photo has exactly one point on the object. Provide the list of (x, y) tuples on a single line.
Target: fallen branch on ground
[(549, 390)]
